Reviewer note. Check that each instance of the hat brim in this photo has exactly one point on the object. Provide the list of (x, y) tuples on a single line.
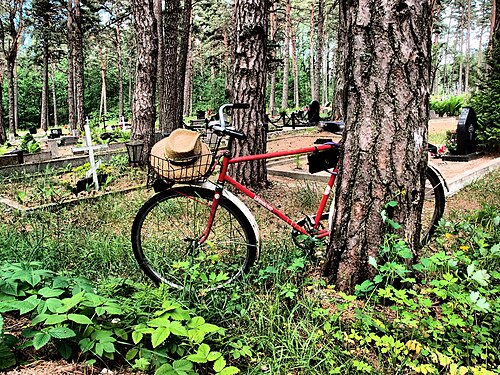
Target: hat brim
[(191, 170)]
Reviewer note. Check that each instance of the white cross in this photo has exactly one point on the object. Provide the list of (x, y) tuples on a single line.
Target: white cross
[(93, 165)]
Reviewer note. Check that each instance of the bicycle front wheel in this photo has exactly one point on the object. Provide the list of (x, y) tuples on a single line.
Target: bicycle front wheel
[(166, 237)]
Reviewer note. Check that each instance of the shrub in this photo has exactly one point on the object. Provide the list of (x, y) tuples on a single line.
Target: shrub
[(450, 106)]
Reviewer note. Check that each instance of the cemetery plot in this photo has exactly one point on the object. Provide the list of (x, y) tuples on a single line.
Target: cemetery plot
[(60, 186)]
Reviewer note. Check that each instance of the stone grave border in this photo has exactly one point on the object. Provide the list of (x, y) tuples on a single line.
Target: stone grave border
[(74, 161)]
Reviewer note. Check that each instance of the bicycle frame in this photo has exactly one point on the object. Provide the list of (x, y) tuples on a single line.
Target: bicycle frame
[(223, 177)]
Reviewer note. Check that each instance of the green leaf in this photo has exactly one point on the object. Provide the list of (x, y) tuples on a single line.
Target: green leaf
[(219, 364), (62, 333), (41, 339), (80, 319), (86, 344), (53, 304), (50, 292), (178, 329), (159, 336), (372, 261), (64, 349), (131, 354), (481, 277), (183, 365), (56, 319), (165, 369), (137, 336), (196, 322), (231, 370), (201, 355)]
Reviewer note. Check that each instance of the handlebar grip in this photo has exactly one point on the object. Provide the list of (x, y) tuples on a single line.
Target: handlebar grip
[(241, 105)]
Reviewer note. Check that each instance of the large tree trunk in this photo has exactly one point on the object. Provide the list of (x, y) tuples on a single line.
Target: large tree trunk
[(44, 112), (495, 22), (160, 75), (144, 109), (286, 56), (249, 86), (171, 32), (386, 57)]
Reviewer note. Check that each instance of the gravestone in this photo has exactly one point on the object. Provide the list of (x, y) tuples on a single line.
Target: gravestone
[(466, 137), (313, 113)]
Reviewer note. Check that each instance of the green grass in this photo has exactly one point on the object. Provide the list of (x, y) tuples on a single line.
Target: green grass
[(291, 321)]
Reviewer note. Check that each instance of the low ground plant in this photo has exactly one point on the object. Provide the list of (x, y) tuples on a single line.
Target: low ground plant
[(438, 315)]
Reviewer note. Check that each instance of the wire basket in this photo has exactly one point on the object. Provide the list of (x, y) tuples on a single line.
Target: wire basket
[(186, 170)]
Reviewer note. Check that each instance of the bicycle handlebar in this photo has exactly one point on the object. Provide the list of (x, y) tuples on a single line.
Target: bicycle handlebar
[(221, 125)]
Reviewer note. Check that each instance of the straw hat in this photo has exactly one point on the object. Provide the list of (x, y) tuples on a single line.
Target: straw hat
[(181, 156)]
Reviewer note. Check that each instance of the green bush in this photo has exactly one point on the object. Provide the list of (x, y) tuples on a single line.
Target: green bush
[(486, 102), (450, 106), (29, 144)]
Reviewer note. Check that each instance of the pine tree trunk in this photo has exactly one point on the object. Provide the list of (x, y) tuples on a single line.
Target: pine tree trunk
[(286, 56), (273, 28), (461, 52), (185, 30), (386, 57), (54, 94), (171, 32), (79, 66), (467, 47), (3, 135), (188, 78), (103, 110), (144, 108), (160, 74), (44, 112), (318, 66), (119, 60), (312, 52), (11, 95), (295, 70), (71, 68), (249, 86)]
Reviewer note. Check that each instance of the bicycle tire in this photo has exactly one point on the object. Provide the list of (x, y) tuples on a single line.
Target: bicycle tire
[(165, 232), (432, 210), (433, 206)]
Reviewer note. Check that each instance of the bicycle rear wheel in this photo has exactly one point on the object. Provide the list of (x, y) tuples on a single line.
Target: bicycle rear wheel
[(433, 206), (166, 233)]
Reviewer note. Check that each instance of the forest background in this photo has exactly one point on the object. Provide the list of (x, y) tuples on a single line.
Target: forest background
[(42, 38)]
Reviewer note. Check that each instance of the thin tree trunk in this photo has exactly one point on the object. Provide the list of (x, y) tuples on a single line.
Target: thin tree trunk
[(119, 60), (249, 86), (318, 66), (54, 93), (467, 47), (446, 88), (171, 32), (188, 76), (16, 98), (311, 52), (286, 56), (3, 135), (295, 70), (71, 68), (160, 75), (144, 109), (79, 66), (461, 52), (384, 157), (44, 113), (103, 110), (11, 95), (185, 27), (273, 28), (227, 62)]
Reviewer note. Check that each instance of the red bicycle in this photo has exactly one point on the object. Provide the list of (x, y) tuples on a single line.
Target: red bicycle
[(193, 230)]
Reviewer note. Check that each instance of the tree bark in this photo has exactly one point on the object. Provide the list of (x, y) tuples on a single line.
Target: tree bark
[(467, 48), (71, 68), (54, 93), (185, 34), (171, 33), (273, 28), (119, 60), (286, 56), (386, 57), (79, 66), (461, 51), (318, 65), (160, 75), (144, 109), (249, 86), (3, 135), (188, 79), (103, 108), (44, 112), (295, 70), (311, 52)]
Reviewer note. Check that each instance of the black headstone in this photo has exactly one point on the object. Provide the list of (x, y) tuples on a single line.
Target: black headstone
[(313, 113), (466, 131)]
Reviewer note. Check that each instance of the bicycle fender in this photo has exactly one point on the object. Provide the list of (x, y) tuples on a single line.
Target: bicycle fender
[(243, 208), (433, 170)]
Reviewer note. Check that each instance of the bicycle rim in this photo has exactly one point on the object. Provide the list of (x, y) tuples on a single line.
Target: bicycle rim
[(433, 206), (165, 240)]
